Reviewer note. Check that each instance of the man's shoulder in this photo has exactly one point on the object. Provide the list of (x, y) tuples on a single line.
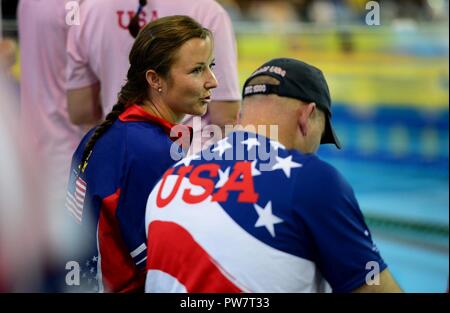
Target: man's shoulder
[(313, 165), (206, 9), (205, 4), (318, 177), (100, 10), (213, 5), (99, 5)]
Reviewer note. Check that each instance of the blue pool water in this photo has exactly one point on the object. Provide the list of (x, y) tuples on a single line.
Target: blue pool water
[(418, 258)]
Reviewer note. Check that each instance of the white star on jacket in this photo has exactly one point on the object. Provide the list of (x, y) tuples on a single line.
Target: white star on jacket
[(222, 146), (223, 177), (276, 145), (255, 171), (286, 165), (250, 142), (266, 218), (187, 160)]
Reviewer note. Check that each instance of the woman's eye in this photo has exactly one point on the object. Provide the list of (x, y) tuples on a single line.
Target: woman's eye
[(212, 65), (197, 70)]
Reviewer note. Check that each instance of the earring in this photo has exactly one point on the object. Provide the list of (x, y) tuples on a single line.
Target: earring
[(159, 89)]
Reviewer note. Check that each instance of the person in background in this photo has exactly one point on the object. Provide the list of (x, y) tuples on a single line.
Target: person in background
[(25, 247), (99, 46), (43, 112), (43, 100)]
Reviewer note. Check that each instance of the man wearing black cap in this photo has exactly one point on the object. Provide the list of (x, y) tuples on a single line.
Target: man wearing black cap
[(291, 80), (259, 212)]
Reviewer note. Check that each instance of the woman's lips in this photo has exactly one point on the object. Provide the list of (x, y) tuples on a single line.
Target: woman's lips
[(206, 99)]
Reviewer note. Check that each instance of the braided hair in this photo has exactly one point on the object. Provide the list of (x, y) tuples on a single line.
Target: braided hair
[(134, 27), (155, 48)]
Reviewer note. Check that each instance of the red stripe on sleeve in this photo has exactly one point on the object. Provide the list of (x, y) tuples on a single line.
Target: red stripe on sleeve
[(119, 273)]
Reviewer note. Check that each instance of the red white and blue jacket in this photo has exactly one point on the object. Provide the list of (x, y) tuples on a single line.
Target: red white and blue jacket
[(248, 215), (108, 198)]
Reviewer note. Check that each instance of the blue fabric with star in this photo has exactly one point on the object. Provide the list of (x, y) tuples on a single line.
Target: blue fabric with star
[(305, 207), (130, 157)]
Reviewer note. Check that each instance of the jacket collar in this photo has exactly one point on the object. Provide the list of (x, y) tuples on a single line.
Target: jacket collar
[(135, 113)]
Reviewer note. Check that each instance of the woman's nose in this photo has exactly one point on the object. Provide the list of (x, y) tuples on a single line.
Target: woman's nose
[(211, 81)]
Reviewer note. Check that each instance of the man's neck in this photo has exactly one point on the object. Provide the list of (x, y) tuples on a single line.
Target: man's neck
[(275, 132)]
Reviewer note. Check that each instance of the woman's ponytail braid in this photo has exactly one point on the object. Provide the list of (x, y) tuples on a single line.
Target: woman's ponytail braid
[(100, 130)]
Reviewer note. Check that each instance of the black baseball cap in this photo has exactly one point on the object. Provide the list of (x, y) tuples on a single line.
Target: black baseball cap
[(298, 80)]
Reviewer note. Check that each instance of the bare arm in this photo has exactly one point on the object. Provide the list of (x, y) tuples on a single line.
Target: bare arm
[(224, 113), (84, 105), (386, 284)]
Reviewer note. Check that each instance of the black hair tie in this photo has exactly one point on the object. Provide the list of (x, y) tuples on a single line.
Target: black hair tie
[(134, 28)]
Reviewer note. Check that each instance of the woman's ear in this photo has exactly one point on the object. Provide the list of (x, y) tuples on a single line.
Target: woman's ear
[(153, 79), (305, 111)]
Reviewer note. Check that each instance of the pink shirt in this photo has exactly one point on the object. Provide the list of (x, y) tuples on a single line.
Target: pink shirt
[(98, 49), (24, 221), (43, 34)]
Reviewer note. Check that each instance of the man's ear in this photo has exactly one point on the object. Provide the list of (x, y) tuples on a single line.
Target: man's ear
[(305, 112), (153, 79)]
